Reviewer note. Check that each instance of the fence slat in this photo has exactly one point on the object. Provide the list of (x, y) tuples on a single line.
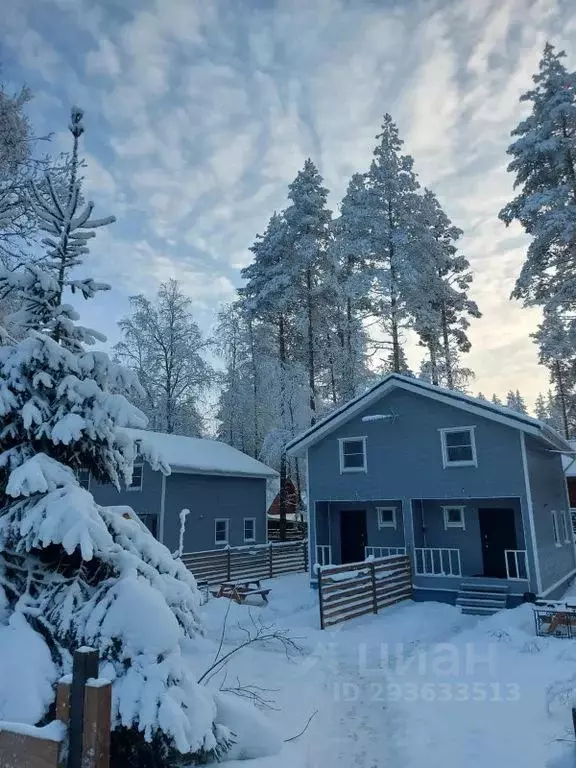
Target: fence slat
[(371, 586), (258, 562)]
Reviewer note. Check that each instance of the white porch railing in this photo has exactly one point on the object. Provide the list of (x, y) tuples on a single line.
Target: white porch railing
[(516, 564), (324, 554), (437, 561), (383, 551)]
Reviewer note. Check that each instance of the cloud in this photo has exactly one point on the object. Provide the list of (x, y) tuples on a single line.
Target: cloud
[(203, 112)]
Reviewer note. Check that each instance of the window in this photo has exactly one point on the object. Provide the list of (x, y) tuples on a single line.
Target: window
[(567, 530), (458, 447), (83, 477), (353, 454), (454, 518), (386, 517), (221, 531), (556, 528), (137, 474), (249, 529)]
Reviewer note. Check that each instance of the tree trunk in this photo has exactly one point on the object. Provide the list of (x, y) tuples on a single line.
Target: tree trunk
[(393, 301), (311, 372), (447, 353), (562, 398), (254, 388), (283, 465), (433, 362), (396, 360)]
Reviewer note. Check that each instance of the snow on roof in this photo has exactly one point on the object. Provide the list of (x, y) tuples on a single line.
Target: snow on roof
[(459, 399), (203, 456)]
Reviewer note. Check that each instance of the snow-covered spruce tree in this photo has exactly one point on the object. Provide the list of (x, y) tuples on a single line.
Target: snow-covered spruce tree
[(540, 408), (515, 401), (77, 573)]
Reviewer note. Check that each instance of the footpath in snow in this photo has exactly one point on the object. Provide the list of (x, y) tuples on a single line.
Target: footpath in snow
[(417, 685)]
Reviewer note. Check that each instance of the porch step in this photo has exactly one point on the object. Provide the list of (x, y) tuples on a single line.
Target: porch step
[(473, 587), (482, 599)]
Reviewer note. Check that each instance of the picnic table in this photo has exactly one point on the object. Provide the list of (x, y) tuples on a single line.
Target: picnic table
[(240, 590)]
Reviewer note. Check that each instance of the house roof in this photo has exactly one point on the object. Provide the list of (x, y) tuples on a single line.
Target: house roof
[(202, 456), (483, 408)]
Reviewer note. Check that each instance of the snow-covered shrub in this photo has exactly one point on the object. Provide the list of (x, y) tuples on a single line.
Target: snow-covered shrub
[(73, 573)]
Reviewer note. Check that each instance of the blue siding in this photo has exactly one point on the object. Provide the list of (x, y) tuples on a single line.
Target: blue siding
[(209, 497), (144, 502), (548, 488)]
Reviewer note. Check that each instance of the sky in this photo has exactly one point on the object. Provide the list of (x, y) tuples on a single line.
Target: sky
[(199, 113)]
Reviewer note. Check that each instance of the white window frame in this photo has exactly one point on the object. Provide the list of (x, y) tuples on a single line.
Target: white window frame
[(386, 523), (445, 460), (341, 441), (87, 488), (450, 523), (225, 520), (137, 487), (556, 529), (253, 539)]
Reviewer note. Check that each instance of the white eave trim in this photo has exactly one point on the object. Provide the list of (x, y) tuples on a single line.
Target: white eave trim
[(360, 404), (224, 473)]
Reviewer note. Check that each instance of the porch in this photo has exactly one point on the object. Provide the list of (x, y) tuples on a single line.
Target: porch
[(470, 538), (454, 540)]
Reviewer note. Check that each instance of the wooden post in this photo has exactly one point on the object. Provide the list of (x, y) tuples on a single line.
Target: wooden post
[(63, 700), (97, 724), (320, 598), (305, 546), (374, 595), (574, 719), (270, 561), (85, 666), (228, 565)]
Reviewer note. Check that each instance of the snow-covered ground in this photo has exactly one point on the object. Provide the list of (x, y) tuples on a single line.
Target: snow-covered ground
[(418, 685)]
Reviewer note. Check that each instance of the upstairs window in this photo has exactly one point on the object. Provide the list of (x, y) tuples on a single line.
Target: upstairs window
[(137, 475), (458, 447), (353, 454), (83, 477), (386, 517)]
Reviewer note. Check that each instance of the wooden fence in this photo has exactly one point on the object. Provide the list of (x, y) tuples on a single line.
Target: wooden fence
[(262, 561), (354, 589), (81, 731)]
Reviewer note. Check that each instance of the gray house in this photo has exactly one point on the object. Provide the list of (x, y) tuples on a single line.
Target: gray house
[(473, 492), (224, 489)]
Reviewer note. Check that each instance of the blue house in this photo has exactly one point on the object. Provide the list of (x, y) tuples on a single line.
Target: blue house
[(224, 489), (473, 492)]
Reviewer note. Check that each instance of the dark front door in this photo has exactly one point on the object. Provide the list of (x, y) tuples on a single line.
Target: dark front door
[(352, 535), (498, 533)]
